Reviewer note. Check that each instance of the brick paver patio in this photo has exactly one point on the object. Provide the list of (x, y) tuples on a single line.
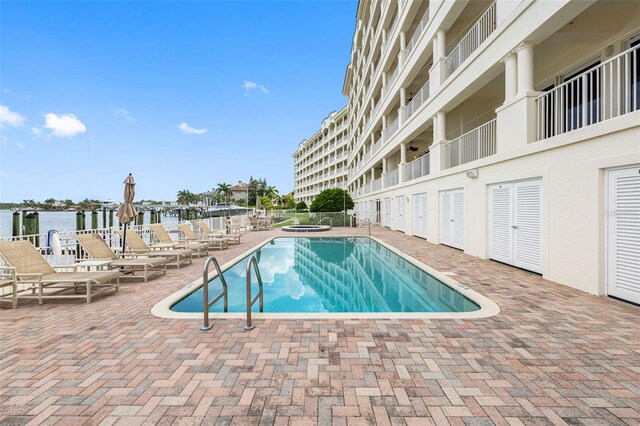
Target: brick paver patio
[(552, 356)]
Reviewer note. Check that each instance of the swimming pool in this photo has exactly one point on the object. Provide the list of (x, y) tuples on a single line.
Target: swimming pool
[(333, 275)]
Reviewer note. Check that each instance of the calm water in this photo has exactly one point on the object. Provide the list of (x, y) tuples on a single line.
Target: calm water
[(333, 275), (64, 221)]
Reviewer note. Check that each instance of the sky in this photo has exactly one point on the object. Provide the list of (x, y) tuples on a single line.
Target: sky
[(183, 95)]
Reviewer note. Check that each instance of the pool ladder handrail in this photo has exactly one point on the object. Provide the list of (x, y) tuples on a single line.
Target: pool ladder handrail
[(330, 221), (259, 296), (205, 291), (359, 226)]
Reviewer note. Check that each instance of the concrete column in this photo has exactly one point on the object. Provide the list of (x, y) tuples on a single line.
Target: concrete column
[(403, 161), (510, 78), (439, 139), (403, 40), (525, 68), (373, 173), (437, 71), (516, 118), (384, 79), (403, 96)]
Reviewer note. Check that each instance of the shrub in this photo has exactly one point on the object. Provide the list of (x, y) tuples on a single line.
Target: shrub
[(301, 206), (332, 200)]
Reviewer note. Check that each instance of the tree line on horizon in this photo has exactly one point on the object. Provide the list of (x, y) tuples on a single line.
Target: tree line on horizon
[(268, 195)]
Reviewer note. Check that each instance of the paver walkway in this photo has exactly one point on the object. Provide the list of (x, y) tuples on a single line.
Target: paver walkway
[(552, 356)]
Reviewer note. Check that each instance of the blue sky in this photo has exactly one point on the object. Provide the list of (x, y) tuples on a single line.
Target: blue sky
[(184, 95)]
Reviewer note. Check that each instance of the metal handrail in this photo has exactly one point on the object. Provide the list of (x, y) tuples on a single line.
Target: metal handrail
[(359, 226), (330, 221), (250, 302), (205, 291)]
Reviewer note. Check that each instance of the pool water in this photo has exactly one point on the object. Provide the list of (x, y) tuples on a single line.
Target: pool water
[(333, 275)]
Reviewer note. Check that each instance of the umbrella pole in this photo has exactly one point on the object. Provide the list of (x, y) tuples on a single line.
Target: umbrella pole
[(124, 238)]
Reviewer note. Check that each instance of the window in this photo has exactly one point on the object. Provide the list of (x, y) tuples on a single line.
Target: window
[(581, 97)]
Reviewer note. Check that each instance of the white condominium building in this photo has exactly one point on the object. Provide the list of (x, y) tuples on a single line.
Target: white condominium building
[(507, 129), (321, 161)]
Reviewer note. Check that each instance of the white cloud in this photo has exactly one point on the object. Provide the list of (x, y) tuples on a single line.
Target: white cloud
[(186, 129), (21, 145), (61, 126), (121, 112), (250, 86), (10, 118)]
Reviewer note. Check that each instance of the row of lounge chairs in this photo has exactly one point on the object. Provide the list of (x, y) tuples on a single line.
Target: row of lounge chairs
[(29, 275)]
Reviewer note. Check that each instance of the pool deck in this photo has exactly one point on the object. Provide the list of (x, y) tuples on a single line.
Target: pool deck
[(553, 356)]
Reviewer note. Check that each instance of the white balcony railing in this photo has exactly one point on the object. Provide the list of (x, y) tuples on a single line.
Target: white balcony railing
[(478, 143), (480, 31), (422, 25), (390, 131), (392, 178), (418, 99), (417, 168), (376, 185), (603, 92)]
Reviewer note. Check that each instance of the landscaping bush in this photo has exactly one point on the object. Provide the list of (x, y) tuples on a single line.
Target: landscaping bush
[(332, 200)]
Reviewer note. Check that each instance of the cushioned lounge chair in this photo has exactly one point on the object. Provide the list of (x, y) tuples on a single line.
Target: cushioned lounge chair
[(96, 248), (174, 257), (208, 232), (161, 234), (33, 270), (213, 242)]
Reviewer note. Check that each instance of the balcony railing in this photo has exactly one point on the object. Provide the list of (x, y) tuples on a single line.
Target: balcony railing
[(417, 168), (376, 185), (478, 143), (608, 90), (480, 31), (390, 80), (392, 178), (416, 35), (414, 104), (390, 131)]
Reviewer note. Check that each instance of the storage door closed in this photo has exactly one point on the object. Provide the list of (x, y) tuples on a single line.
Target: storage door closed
[(623, 234), (420, 215), (515, 226), (452, 218), (400, 213)]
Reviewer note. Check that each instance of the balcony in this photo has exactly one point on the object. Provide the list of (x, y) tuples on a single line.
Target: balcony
[(390, 131), (422, 25), (414, 104), (392, 178), (417, 168), (478, 143), (376, 184), (605, 91), (480, 31)]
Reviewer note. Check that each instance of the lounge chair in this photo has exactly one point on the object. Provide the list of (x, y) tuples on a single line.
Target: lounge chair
[(234, 225), (31, 268), (213, 242), (161, 234), (8, 279), (254, 224), (96, 248), (174, 257), (208, 232)]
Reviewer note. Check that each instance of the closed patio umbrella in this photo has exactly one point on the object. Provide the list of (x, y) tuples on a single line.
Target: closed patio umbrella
[(127, 211)]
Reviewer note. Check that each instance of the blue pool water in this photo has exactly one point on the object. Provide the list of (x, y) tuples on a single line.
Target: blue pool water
[(333, 275)]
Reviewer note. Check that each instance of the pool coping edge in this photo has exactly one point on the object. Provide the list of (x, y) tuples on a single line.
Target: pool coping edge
[(488, 307)]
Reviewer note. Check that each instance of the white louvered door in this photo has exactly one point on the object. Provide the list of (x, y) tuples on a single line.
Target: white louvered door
[(387, 212), (623, 234), (420, 215), (452, 218), (400, 213), (515, 227), (501, 222), (527, 217)]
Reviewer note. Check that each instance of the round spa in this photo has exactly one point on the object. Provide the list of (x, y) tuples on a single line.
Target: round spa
[(306, 228)]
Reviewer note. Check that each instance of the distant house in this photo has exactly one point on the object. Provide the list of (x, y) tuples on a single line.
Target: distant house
[(240, 191)]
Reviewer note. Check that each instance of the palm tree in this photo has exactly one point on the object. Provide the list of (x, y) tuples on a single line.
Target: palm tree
[(271, 192), (186, 197), (224, 189)]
